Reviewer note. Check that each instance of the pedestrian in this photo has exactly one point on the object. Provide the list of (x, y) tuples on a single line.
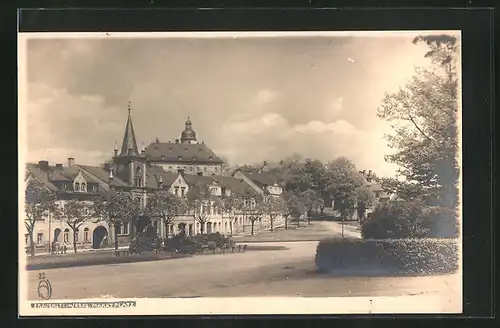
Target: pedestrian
[(64, 248)]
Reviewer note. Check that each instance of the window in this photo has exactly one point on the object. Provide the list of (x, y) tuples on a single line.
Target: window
[(205, 169), (83, 187), (183, 191), (66, 235), (176, 191), (26, 238), (63, 186), (122, 229), (94, 188), (39, 238), (77, 232), (86, 235), (77, 186)]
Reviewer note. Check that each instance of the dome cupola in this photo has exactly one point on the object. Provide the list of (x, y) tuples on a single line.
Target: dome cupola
[(188, 135)]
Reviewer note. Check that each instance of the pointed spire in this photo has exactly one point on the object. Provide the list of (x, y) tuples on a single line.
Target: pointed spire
[(129, 145)]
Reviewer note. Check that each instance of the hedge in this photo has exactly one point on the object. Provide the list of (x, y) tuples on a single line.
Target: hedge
[(388, 256), (410, 220), (101, 258)]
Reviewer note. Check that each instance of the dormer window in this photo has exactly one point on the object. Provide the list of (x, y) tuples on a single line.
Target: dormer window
[(179, 158), (163, 158), (194, 159), (185, 150), (210, 158)]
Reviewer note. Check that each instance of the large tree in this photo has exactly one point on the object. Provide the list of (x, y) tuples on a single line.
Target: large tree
[(39, 202), (116, 208), (423, 115), (346, 183), (200, 200), (254, 209), (75, 213), (165, 206), (293, 207)]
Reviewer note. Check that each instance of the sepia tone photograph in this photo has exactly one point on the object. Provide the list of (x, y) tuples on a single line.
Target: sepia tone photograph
[(224, 172)]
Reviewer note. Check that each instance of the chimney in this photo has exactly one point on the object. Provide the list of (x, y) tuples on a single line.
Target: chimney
[(160, 182), (111, 175), (44, 165), (176, 141), (59, 166), (71, 161), (115, 151)]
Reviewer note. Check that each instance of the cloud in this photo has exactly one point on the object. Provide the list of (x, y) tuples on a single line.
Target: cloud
[(250, 99)]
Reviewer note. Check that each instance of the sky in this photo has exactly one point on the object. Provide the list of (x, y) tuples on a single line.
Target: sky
[(250, 98)]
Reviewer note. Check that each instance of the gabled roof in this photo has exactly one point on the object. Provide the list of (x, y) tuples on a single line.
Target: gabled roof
[(129, 144), (52, 175), (153, 177), (40, 175), (181, 152), (262, 179), (237, 186), (103, 176)]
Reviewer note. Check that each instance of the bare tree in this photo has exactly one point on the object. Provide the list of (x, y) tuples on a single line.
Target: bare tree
[(199, 204), (116, 208), (75, 213), (165, 206), (39, 202)]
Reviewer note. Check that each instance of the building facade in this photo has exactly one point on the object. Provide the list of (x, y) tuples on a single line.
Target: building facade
[(142, 173)]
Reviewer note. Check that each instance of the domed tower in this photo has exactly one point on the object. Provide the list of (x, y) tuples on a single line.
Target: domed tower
[(188, 135)]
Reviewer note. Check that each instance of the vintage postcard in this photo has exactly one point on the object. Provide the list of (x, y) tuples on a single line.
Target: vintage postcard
[(240, 173)]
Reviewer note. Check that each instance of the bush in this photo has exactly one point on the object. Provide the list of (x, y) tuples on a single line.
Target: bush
[(410, 220), (389, 256)]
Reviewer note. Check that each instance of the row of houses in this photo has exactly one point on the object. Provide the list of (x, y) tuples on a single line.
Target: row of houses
[(142, 173)]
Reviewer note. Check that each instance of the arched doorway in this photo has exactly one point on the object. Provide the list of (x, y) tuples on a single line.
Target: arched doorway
[(98, 236), (181, 227), (57, 232)]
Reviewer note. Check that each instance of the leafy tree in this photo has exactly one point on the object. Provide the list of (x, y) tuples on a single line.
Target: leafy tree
[(200, 203), (75, 213), (346, 182), (39, 202), (166, 206), (364, 199), (423, 115), (116, 208)]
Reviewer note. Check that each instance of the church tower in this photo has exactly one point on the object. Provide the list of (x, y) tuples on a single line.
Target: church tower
[(130, 164), (188, 135)]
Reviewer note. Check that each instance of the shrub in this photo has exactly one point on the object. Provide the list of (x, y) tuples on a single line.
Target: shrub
[(390, 256), (410, 220)]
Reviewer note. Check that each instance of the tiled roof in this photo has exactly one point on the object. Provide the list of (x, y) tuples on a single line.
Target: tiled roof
[(40, 175), (262, 179), (103, 175), (152, 177), (237, 186), (66, 174), (179, 152)]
